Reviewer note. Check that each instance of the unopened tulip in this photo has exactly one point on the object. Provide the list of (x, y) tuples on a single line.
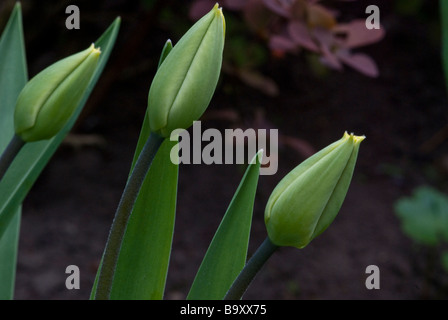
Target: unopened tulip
[(48, 100), (186, 80), (308, 199)]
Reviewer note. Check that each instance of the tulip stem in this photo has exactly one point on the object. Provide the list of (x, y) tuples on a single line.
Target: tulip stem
[(8, 156), (122, 215), (255, 263)]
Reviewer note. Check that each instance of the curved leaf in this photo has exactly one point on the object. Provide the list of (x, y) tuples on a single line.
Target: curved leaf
[(144, 256), (13, 76)]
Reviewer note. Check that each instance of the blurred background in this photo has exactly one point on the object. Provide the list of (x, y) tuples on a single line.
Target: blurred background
[(307, 68)]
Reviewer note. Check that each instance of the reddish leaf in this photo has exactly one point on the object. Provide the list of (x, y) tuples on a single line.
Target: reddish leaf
[(279, 7), (234, 4), (282, 43), (298, 9), (319, 16), (330, 60), (326, 41), (300, 34), (359, 62), (257, 17), (358, 35), (258, 81)]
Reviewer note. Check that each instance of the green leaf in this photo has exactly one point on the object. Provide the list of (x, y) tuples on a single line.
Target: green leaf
[(13, 73), (145, 131), (33, 157), (165, 51), (144, 256), (8, 257), (424, 216), (227, 253), (13, 77)]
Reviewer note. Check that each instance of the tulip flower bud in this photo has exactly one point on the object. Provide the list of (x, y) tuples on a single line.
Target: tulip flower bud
[(49, 99), (308, 199), (186, 80)]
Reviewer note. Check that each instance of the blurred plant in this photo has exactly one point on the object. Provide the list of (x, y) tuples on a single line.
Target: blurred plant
[(290, 26), (424, 218)]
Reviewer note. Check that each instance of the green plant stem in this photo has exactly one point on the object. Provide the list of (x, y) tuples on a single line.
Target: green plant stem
[(242, 282), (122, 215), (8, 156)]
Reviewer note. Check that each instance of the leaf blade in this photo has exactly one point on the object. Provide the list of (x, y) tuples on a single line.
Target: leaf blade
[(144, 257), (13, 76), (8, 255), (226, 255)]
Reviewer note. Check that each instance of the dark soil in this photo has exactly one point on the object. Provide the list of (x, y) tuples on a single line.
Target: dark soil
[(67, 215)]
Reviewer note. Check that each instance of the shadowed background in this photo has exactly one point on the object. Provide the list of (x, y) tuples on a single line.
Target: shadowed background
[(403, 113)]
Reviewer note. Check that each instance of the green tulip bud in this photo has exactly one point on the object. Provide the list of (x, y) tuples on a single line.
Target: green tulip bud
[(49, 99), (186, 80), (307, 200)]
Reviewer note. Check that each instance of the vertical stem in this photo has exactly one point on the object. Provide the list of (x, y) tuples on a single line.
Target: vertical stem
[(8, 156), (242, 282), (124, 210)]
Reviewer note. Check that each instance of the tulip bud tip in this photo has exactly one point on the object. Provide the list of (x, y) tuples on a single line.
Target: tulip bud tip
[(95, 50), (356, 139), (218, 9)]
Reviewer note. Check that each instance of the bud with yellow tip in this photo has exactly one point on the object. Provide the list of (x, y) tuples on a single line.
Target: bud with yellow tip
[(49, 99), (186, 80), (308, 199)]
